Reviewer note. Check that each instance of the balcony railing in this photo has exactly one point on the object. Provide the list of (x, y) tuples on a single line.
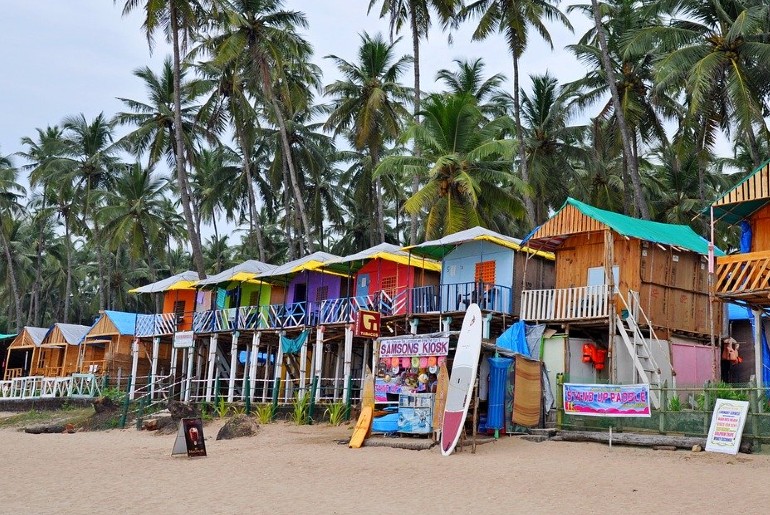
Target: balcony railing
[(489, 297), (155, 325), (743, 275), (565, 304)]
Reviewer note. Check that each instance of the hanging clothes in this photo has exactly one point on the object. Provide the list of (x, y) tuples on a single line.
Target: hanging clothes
[(293, 345)]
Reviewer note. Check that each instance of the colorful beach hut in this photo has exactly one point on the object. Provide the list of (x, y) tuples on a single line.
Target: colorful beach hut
[(178, 301), (484, 267), (23, 352)]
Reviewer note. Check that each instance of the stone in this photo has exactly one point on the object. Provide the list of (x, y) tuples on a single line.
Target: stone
[(237, 427), (180, 410), (104, 404), (697, 448), (151, 424)]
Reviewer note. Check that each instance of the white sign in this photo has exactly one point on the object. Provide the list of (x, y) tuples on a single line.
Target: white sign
[(183, 340), (408, 347), (727, 426)]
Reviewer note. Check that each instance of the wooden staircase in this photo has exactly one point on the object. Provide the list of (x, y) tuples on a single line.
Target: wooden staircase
[(639, 347)]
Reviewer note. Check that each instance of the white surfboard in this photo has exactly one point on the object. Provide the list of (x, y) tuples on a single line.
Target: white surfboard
[(461, 379)]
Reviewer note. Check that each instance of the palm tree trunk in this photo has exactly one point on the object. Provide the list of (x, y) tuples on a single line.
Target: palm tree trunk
[(39, 264), (417, 152), (289, 216), (299, 202), (254, 228), (68, 282), (374, 154), (529, 206), (181, 173), (625, 136), (11, 278)]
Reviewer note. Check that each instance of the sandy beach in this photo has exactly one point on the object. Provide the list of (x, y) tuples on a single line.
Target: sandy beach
[(290, 469)]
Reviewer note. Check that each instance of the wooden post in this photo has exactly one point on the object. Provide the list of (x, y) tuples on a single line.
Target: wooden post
[(559, 401), (337, 368), (134, 364), (475, 414), (758, 328), (609, 280), (754, 410), (706, 407), (302, 367), (211, 365), (233, 367), (268, 354), (253, 362), (347, 359), (155, 350), (318, 359), (663, 407)]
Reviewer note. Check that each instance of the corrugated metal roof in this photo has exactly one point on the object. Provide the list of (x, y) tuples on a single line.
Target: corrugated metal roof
[(243, 272), (124, 322), (385, 251), (166, 284), (72, 333), (311, 262), (437, 249), (667, 234)]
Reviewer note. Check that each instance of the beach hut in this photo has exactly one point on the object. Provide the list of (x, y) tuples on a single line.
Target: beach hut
[(107, 347), (484, 267), (744, 277), (23, 352), (59, 350), (178, 302), (631, 289)]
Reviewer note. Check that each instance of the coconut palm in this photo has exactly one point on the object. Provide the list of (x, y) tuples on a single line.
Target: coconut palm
[(178, 20), (468, 78), (10, 194), (261, 38), (514, 19), (416, 13), (468, 179), (369, 102)]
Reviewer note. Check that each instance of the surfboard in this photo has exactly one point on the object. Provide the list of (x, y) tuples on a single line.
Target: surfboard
[(364, 425), (461, 379), (440, 402)]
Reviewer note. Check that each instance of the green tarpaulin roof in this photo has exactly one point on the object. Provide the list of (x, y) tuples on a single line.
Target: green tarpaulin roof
[(666, 234), (6, 336), (748, 196)]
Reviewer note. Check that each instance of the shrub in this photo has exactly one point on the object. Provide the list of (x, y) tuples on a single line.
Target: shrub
[(336, 413), (300, 407), (264, 413)]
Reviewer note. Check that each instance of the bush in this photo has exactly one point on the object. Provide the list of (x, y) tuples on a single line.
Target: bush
[(300, 408), (336, 413), (264, 413)]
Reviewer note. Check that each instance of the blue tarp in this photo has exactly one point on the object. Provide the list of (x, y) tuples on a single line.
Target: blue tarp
[(765, 352), (515, 339), (125, 322), (498, 383), (292, 346)]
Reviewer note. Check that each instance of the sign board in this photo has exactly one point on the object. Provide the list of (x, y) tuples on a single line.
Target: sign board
[(184, 340), (368, 324), (407, 347), (727, 426), (607, 400), (189, 438)]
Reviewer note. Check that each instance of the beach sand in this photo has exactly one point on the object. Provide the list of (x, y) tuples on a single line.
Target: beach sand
[(290, 469)]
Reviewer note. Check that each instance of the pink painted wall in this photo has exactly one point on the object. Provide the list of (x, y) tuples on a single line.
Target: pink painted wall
[(693, 363)]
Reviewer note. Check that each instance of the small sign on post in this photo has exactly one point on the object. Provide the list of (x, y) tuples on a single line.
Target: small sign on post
[(368, 324), (727, 426), (189, 438), (184, 340)]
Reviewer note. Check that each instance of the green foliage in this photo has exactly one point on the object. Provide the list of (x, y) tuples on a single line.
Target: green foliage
[(674, 404), (236, 409), (264, 413), (221, 409), (336, 413), (114, 394), (720, 390), (206, 412), (300, 407)]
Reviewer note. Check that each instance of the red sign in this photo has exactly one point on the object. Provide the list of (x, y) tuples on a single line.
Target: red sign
[(368, 324)]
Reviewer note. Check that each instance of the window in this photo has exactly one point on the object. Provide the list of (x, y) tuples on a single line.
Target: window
[(254, 298), (179, 310), (485, 272), (389, 285), (321, 293)]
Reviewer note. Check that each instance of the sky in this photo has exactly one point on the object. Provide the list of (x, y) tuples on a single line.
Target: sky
[(63, 58)]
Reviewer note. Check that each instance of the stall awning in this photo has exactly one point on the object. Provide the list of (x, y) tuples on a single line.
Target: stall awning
[(244, 272), (745, 198), (173, 282)]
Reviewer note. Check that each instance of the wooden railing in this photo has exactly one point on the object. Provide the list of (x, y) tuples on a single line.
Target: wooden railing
[(584, 303), (13, 373), (742, 274)]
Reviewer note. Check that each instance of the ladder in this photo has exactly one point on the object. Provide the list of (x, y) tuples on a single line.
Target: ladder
[(638, 346)]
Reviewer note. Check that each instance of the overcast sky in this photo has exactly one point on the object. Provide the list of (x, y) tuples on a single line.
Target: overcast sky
[(62, 58)]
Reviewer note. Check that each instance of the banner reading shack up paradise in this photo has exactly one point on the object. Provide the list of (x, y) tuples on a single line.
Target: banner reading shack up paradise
[(607, 400)]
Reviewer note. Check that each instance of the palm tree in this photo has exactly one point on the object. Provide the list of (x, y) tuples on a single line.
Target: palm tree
[(468, 78), (369, 103), (10, 193), (261, 38), (417, 13), (177, 19), (709, 53), (468, 180), (514, 19)]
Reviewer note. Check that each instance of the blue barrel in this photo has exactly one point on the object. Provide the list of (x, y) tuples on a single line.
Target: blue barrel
[(498, 381)]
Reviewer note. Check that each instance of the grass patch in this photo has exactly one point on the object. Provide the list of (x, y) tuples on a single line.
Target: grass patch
[(75, 416)]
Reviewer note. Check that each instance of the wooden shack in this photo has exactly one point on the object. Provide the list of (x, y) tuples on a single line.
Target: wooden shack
[(665, 266), (23, 352), (59, 350)]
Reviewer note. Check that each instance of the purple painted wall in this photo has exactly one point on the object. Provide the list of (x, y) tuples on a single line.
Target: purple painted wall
[(313, 282)]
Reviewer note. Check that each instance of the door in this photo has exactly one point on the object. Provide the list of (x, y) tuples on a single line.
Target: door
[(300, 292), (363, 283)]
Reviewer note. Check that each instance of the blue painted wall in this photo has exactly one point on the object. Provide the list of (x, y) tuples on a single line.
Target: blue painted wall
[(459, 266)]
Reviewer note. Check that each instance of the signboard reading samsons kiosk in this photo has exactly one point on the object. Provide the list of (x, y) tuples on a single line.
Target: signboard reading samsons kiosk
[(607, 400), (409, 347)]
